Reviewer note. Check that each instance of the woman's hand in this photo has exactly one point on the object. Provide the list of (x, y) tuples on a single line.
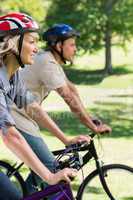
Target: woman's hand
[(62, 175), (80, 138)]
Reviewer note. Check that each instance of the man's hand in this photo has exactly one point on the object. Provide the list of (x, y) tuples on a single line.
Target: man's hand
[(103, 128)]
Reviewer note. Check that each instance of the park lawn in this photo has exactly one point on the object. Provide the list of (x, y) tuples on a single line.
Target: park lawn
[(96, 60), (117, 145), (119, 82)]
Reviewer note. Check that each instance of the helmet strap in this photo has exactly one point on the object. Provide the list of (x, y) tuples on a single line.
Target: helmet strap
[(60, 53), (19, 50)]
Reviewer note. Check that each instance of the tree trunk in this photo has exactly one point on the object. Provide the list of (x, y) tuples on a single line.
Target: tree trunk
[(109, 4), (108, 57)]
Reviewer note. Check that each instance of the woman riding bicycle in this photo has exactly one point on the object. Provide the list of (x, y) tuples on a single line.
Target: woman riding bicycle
[(18, 45)]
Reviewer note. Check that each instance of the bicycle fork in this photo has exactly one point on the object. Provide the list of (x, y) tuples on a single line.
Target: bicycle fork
[(102, 179), (100, 171)]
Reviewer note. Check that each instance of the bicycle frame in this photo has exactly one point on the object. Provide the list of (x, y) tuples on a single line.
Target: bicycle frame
[(62, 191), (93, 153)]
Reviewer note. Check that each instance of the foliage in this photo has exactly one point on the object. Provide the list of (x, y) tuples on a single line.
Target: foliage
[(122, 19), (31, 7), (90, 18)]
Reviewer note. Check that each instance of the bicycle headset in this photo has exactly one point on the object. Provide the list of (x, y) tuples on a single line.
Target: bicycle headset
[(17, 24), (59, 33)]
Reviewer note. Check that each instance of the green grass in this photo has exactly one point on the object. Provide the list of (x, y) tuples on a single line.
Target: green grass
[(122, 77), (97, 60), (123, 81), (88, 69)]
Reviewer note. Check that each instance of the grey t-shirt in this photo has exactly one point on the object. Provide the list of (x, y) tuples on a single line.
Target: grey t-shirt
[(12, 90), (40, 78)]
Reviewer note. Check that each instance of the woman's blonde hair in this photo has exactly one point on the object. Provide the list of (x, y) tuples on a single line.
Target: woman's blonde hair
[(8, 45)]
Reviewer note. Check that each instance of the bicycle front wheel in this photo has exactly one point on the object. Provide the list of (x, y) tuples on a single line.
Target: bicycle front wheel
[(119, 179)]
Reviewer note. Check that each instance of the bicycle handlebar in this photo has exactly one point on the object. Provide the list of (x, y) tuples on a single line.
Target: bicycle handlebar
[(74, 160), (72, 151), (82, 146)]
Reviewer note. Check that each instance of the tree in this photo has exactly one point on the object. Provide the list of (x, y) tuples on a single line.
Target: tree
[(98, 21), (31, 7)]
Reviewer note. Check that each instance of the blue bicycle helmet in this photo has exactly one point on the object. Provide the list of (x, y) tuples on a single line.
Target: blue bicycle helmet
[(59, 32)]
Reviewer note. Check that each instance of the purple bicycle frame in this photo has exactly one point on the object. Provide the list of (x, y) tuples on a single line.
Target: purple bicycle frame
[(62, 191)]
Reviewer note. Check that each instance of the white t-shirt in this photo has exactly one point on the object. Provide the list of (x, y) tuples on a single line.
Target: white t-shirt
[(40, 78)]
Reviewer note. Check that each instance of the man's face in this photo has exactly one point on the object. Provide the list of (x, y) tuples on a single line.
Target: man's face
[(69, 49)]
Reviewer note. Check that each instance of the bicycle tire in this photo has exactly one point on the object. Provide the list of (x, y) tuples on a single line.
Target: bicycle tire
[(14, 177), (91, 187)]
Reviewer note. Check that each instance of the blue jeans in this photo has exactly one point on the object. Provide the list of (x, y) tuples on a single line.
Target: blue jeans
[(44, 154), (8, 191)]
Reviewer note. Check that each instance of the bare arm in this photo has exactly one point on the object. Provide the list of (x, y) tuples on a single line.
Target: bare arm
[(42, 118), (70, 95), (74, 89), (18, 145), (35, 111)]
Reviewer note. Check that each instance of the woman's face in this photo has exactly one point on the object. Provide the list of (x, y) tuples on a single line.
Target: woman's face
[(29, 47)]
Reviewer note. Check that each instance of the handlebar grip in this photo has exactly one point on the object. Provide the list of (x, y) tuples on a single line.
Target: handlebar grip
[(105, 132), (98, 122)]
